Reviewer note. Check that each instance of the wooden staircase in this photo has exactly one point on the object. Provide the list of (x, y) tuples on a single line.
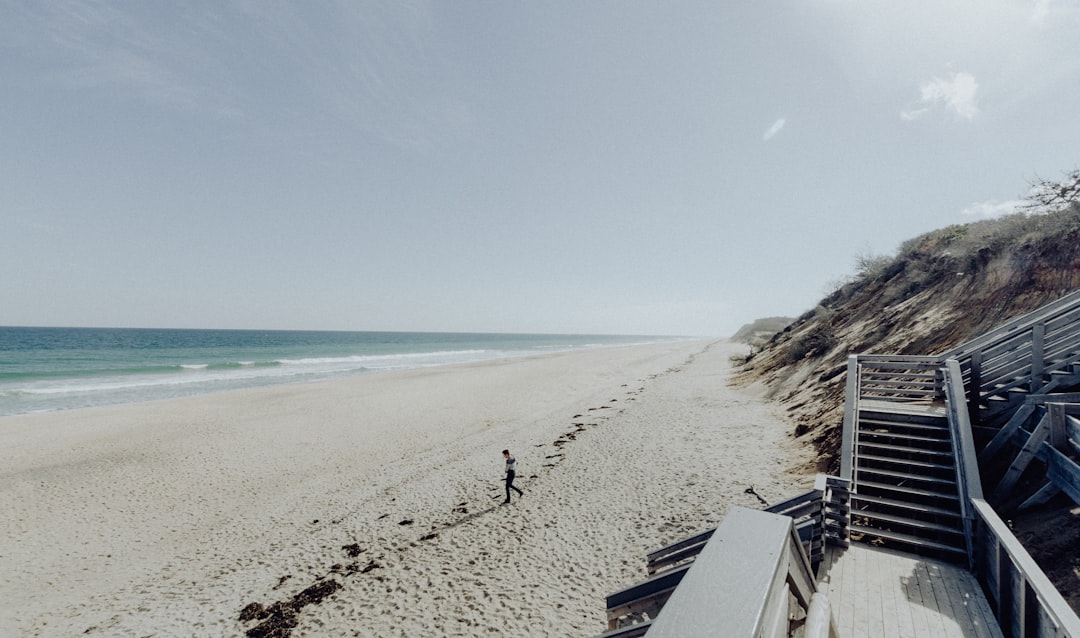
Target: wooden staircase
[(911, 489), (907, 495)]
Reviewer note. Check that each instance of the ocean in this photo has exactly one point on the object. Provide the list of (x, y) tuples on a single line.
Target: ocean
[(46, 369)]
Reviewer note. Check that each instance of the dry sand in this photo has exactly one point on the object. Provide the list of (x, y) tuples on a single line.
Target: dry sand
[(169, 518)]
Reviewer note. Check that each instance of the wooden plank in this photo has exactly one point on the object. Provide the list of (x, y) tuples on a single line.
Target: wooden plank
[(905, 626), (861, 625), (851, 408), (885, 590), (1048, 313), (680, 545), (1005, 434), (729, 587), (1064, 473), (958, 591), (1023, 459), (847, 593), (1056, 412), (918, 603), (938, 602), (1072, 434), (1038, 354), (1040, 497), (894, 407), (1014, 557), (647, 588), (633, 631), (1056, 397), (975, 382)]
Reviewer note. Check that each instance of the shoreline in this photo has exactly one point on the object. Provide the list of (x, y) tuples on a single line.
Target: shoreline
[(175, 515)]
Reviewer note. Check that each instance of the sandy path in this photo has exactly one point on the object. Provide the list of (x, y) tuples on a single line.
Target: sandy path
[(169, 518)]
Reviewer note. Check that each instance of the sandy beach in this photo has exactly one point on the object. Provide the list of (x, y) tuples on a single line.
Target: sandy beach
[(376, 499)]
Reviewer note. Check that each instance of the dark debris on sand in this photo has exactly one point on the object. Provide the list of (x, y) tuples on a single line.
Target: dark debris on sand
[(279, 619), (353, 550)]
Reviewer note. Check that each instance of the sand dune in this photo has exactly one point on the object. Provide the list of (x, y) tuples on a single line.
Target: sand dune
[(369, 506)]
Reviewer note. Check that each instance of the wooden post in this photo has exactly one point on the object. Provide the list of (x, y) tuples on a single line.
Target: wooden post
[(1038, 356), (974, 393), (1065, 473), (1023, 459), (851, 416), (1056, 412)]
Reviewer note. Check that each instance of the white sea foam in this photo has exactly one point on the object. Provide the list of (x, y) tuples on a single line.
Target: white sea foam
[(159, 380)]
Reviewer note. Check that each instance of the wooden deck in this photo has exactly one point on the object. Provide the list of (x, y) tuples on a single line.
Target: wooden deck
[(876, 593)]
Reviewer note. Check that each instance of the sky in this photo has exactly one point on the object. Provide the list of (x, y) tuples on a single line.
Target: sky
[(620, 167)]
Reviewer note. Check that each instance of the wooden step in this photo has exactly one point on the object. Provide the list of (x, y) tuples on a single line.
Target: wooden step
[(909, 490), (926, 465), (872, 424), (902, 417), (889, 502), (906, 437), (907, 476), (910, 522), (901, 449), (907, 539)]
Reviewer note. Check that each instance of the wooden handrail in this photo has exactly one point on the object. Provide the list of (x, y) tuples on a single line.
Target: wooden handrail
[(967, 464), (1005, 568), (851, 415), (1048, 311), (773, 573)]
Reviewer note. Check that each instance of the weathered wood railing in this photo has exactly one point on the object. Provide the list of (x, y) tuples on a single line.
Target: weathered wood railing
[(1024, 600), (899, 378), (1054, 439), (968, 479), (775, 592), (817, 517), (1021, 354)]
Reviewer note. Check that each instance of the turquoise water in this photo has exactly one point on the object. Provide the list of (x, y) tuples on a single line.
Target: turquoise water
[(45, 369)]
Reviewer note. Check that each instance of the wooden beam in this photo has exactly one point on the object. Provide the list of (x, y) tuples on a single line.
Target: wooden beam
[(1038, 336), (1006, 432), (1023, 459), (1056, 412), (1060, 397), (974, 395), (741, 582), (1044, 494), (1011, 557), (1065, 473), (851, 408)]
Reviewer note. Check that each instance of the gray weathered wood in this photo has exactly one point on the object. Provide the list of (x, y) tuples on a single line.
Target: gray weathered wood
[(1023, 459), (1056, 413), (1058, 397), (1064, 473), (1040, 497), (851, 411), (881, 593), (762, 550), (1046, 313), (1006, 433), (1001, 558)]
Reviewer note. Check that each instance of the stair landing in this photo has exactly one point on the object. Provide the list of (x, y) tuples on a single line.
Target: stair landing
[(879, 593), (936, 409)]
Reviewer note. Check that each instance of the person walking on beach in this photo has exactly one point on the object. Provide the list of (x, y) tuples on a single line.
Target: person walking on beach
[(511, 471)]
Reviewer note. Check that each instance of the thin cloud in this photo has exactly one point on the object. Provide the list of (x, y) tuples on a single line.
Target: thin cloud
[(774, 129), (98, 47), (957, 94), (1039, 13), (992, 208)]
